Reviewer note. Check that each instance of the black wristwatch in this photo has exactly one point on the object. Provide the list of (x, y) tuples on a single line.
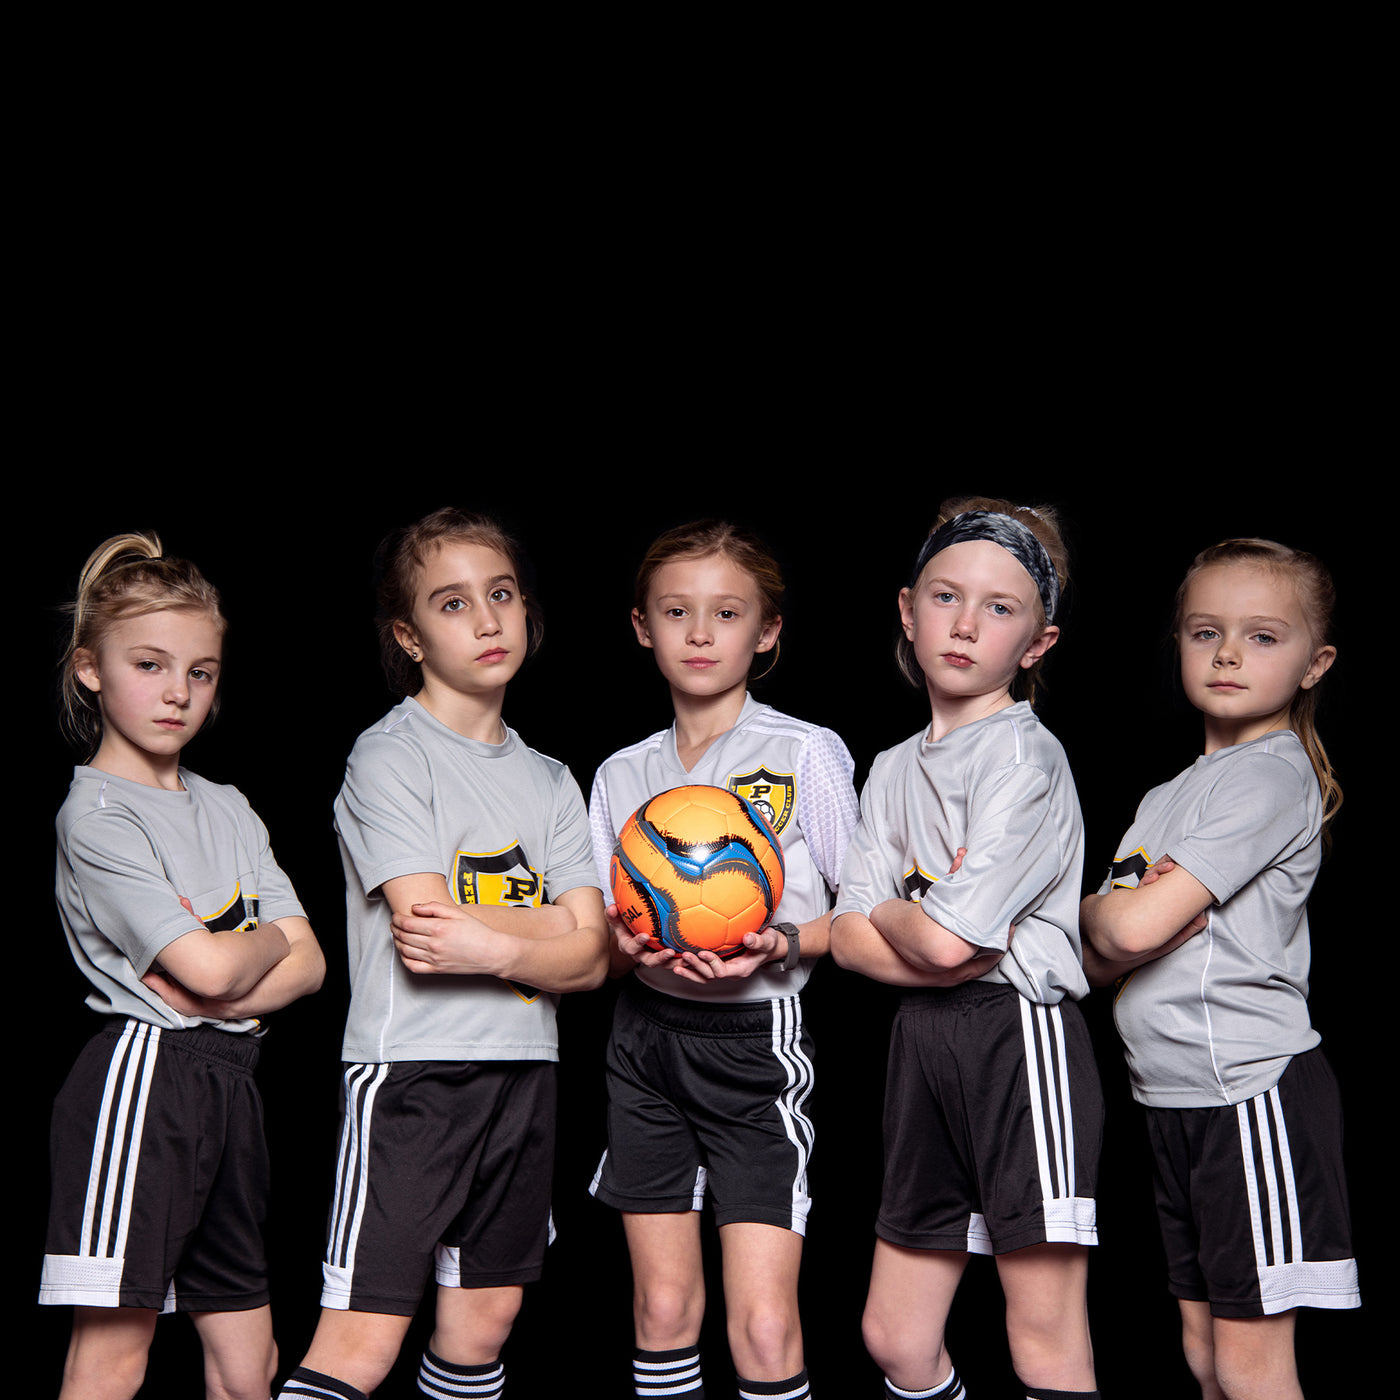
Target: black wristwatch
[(793, 950)]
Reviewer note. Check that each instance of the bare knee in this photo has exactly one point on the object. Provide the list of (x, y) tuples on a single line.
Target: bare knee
[(1042, 1347), (907, 1356), (247, 1377), (240, 1356), (1198, 1347), (118, 1378), (355, 1347), (473, 1324), (1047, 1316), (107, 1353), (1058, 1355), (765, 1340), (667, 1313), (1254, 1358), (880, 1340)]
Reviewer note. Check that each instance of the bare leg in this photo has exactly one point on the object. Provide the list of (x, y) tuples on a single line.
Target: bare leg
[(761, 1263), (668, 1280), (1198, 1344), (473, 1323), (906, 1311), (1254, 1357), (240, 1356), (356, 1347), (107, 1353), (1047, 1319)]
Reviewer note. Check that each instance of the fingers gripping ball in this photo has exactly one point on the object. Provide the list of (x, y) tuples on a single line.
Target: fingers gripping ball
[(695, 869)]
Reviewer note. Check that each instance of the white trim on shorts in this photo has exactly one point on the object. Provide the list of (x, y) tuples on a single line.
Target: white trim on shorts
[(351, 1183), (1068, 1217), (783, 1035), (1286, 1279), (94, 1277), (787, 1049)]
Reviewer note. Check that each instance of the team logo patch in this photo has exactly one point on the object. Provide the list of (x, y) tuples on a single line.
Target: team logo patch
[(916, 884), (774, 794), (1125, 873), (503, 877), (236, 916)]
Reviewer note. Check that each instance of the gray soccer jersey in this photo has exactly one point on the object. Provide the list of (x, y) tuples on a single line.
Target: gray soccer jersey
[(127, 853), (1217, 1020), (799, 774), (1001, 787), (503, 825)]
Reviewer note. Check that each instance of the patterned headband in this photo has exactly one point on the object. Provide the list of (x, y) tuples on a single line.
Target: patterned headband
[(1017, 539)]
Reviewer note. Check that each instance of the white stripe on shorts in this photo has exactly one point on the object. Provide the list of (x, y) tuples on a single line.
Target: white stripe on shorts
[(93, 1276), (1287, 1278), (122, 1119), (787, 1048), (1047, 1081), (351, 1182), (1272, 1195)]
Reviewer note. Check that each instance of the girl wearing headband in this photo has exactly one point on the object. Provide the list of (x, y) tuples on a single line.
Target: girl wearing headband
[(993, 1112)]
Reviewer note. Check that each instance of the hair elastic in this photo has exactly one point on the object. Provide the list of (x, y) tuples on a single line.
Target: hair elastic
[(1018, 540)]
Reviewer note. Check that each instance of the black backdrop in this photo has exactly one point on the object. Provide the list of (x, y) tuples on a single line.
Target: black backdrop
[(283, 512)]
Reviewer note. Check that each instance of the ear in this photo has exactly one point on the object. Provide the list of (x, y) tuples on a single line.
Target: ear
[(768, 638), (639, 625), (1321, 664), (85, 668), (407, 638), (906, 612), (1039, 646)]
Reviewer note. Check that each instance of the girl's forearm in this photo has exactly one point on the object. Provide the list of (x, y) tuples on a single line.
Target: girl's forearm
[(224, 964), (919, 940)]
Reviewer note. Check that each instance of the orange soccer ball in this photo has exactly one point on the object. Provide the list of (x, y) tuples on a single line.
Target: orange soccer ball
[(695, 869)]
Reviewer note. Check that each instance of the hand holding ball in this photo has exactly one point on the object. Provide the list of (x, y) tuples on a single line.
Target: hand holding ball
[(695, 869)]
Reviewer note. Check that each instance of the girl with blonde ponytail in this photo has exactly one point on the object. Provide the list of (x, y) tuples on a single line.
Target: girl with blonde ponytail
[(190, 935), (1203, 921)]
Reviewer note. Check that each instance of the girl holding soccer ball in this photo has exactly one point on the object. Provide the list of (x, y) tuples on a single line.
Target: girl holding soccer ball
[(709, 1065)]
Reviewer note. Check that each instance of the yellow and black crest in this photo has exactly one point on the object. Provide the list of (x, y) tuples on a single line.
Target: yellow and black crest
[(916, 883), (1126, 871), (496, 877), (503, 877), (774, 794), (236, 915)]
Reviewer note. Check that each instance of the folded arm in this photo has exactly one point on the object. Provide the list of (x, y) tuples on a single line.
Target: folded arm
[(223, 964), (920, 940), (861, 944), (1125, 928), (296, 975), (902, 945), (559, 947)]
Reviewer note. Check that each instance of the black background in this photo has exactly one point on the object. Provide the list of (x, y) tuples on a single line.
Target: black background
[(288, 536)]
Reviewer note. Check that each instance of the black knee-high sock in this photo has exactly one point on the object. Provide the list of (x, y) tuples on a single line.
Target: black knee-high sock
[(794, 1388), (667, 1373), (446, 1380), (312, 1385), (950, 1389)]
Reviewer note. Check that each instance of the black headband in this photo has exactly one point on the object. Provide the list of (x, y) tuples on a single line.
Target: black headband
[(1018, 540)]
